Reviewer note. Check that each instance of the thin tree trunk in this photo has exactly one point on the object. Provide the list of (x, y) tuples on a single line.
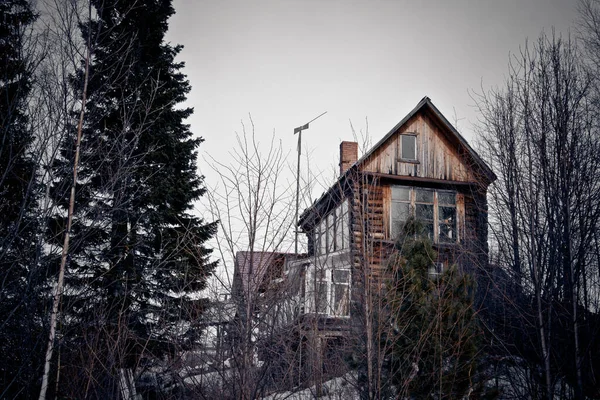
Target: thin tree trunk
[(58, 287)]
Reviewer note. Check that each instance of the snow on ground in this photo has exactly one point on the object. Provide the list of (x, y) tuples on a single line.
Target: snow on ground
[(336, 388)]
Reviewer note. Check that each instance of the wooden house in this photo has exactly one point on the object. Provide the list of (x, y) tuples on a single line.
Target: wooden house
[(423, 168)]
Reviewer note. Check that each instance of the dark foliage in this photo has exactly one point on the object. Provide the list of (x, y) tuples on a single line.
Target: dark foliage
[(138, 256), (22, 344), (435, 342)]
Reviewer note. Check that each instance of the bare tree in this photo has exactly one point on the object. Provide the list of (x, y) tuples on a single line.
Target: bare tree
[(539, 133), (254, 203)]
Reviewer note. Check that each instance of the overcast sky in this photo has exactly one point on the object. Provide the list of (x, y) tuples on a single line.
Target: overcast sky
[(286, 62)]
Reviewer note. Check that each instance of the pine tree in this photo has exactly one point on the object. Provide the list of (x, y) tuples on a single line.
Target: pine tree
[(434, 352), (19, 329), (138, 258)]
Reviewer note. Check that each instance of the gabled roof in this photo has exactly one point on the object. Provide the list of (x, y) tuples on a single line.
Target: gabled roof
[(425, 105)]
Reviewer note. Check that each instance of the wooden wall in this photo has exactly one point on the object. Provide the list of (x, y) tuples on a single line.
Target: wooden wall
[(437, 157)]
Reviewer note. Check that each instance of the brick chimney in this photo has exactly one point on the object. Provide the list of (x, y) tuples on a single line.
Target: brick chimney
[(348, 155)]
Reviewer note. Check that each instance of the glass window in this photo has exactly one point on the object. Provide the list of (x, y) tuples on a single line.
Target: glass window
[(424, 210), (341, 299), (321, 299), (400, 213), (401, 209), (400, 193), (424, 196), (323, 235), (408, 147), (447, 217), (343, 231), (446, 198), (317, 240), (435, 209), (341, 275), (341, 292), (330, 232)]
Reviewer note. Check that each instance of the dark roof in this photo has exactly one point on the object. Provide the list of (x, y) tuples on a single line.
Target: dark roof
[(425, 104), (251, 269)]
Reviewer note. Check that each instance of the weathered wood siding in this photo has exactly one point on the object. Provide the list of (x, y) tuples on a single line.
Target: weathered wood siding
[(437, 157)]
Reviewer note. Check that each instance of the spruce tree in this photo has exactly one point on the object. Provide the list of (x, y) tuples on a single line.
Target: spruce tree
[(138, 258), (435, 345), (21, 344)]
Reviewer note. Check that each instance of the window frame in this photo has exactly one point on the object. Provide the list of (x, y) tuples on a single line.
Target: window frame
[(401, 157), (413, 203), (332, 234), (324, 302)]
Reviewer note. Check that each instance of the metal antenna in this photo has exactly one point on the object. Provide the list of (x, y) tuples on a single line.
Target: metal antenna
[(299, 130)]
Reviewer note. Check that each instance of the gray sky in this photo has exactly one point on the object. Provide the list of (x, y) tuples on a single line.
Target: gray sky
[(286, 62)]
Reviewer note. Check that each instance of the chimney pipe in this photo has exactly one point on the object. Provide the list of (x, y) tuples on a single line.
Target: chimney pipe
[(348, 155)]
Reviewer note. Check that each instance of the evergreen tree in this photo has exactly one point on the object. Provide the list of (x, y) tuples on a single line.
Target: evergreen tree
[(21, 345), (434, 351), (138, 257)]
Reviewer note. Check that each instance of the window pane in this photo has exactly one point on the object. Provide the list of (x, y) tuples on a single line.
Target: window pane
[(424, 196), (400, 193), (446, 198), (447, 214), (424, 212), (338, 230), (429, 230), (323, 230), (341, 275), (447, 224), (397, 228), (343, 231), (447, 232), (321, 299), (409, 147), (400, 213), (330, 233), (436, 268), (321, 273), (317, 236), (341, 299)]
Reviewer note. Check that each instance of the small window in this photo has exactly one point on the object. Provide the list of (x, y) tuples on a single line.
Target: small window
[(408, 147), (436, 269)]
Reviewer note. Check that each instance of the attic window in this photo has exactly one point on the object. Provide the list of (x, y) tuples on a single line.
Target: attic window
[(408, 147)]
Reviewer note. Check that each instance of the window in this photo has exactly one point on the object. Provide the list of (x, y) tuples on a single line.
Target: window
[(332, 294), (447, 217), (408, 147), (400, 208), (322, 237), (436, 269), (436, 209), (341, 292), (331, 234), (424, 210)]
